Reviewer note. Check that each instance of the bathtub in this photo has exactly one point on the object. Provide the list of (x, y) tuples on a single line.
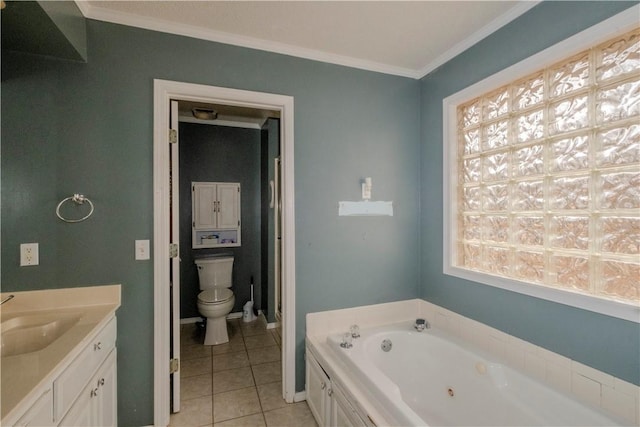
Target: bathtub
[(432, 378)]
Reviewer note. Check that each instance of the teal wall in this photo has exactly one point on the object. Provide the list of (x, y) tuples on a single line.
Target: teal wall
[(74, 127), (607, 344)]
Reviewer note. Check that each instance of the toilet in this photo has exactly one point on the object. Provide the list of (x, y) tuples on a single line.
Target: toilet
[(215, 299)]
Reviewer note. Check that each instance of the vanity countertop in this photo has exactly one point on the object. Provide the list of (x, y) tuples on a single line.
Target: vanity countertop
[(22, 374)]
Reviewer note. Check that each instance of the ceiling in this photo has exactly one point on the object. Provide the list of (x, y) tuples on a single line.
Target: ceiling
[(406, 38)]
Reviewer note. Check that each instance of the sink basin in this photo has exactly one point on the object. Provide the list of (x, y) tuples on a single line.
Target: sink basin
[(33, 332)]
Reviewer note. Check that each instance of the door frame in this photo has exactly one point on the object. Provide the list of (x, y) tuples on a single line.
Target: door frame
[(163, 92)]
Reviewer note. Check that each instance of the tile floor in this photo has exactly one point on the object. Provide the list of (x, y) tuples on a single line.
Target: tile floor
[(235, 384)]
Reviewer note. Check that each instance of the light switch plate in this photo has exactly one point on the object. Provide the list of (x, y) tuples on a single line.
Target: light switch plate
[(142, 249), (29, 254)]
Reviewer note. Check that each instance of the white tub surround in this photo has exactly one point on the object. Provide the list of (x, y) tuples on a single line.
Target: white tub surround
[(29, 378), (610, 400)]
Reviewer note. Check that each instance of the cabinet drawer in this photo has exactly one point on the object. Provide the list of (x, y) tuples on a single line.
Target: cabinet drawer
[(71, 382)]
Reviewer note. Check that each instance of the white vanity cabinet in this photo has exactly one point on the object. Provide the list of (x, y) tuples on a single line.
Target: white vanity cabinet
[(326, 399), (84, 393), (215, 208)]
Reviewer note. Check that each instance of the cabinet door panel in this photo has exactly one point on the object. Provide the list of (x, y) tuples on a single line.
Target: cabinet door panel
[(342, 413), (40, 414), (205, 202), (228, 205), (80, 414), (107, 404), (317, 383)]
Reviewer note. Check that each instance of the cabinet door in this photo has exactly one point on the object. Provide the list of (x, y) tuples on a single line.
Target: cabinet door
[(317, 385), (81, 412), (228, 205), (339, 416), (107, 404), (40, 414), (204, 206), (342, 413), (97, 403)]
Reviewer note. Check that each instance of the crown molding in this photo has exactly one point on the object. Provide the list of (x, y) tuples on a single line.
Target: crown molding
[(491, 27), (102, 14)]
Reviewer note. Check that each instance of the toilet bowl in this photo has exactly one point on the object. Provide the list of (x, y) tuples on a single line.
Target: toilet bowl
[(215, 304), (216, 299)]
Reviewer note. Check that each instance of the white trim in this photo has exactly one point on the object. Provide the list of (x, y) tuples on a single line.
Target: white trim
[(273, 325), (618, 24), (190, 320), (164, 91), (300, 396), (499, 22), (161, 290), (102, 14)]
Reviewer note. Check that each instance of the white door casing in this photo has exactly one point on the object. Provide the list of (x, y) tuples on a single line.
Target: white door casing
[(164, 92), (175, 262)]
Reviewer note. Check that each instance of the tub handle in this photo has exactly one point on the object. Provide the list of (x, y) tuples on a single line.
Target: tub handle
[(355, 331)]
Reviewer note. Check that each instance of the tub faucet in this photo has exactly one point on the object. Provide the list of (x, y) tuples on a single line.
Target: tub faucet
[(6, 299), (421, 325), (355, 331)]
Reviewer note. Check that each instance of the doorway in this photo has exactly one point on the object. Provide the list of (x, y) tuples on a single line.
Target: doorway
[(164, 92)]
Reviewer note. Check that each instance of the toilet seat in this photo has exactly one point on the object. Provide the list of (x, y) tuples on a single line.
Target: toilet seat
[(215, 296)]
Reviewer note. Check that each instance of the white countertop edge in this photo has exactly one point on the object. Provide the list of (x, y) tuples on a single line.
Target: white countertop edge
[(50, 299)]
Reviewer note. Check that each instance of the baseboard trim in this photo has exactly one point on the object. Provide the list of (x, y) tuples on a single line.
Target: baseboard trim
[(273, 325), (300, 396), (189, 320)]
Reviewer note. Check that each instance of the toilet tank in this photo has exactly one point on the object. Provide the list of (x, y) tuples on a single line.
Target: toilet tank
[(215, 271)]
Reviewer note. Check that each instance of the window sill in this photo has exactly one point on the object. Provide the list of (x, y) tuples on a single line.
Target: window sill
[(621, 310)]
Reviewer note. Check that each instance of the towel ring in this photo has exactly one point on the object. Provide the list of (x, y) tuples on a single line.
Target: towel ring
[(78, 199)]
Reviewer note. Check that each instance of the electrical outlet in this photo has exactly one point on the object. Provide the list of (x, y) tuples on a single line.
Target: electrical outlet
[(29, 254)]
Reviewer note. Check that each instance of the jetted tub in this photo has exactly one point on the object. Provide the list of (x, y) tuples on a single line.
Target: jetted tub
[(432, 378)]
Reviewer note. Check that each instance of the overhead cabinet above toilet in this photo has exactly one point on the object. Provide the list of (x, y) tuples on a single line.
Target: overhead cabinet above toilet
[(216, 214)]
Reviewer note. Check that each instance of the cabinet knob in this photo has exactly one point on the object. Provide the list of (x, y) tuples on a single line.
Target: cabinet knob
[(100, 382), (322, 385), (97, 346), (94, 392), (330, 392)]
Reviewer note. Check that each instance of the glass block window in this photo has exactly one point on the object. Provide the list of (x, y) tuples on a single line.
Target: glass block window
[(548, 188)]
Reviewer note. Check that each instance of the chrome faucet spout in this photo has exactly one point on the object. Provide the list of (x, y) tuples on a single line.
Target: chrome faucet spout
[(6, 299), (421, 325)]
